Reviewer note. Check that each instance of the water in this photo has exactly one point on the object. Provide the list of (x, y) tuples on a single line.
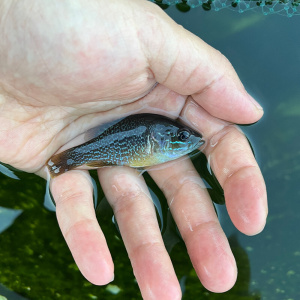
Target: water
[(287, 8), (34, 260)]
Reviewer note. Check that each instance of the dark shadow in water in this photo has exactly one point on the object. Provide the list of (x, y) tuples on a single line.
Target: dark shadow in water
[(214, 188), (242, 287)]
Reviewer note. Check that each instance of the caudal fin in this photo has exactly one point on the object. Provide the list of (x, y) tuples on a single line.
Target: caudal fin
[(58, 164)]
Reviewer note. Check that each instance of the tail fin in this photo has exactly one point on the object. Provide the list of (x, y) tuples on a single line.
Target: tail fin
[(58, 164)]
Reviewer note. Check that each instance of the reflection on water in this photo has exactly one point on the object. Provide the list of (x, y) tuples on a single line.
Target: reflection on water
[(35, 261), (7, 217), (6, 294), (6, 171)]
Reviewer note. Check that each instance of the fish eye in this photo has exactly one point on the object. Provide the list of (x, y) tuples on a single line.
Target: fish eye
[(183, 135)]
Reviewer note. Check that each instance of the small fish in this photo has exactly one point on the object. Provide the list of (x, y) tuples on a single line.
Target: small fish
[(140, 140)]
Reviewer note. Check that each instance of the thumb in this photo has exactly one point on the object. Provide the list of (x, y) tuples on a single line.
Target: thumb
[(187, 65)]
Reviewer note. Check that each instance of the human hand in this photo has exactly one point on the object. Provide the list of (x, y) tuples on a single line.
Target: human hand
[(68, 66)]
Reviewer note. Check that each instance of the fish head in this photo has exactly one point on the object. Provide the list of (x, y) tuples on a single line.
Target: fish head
[(172, 141)]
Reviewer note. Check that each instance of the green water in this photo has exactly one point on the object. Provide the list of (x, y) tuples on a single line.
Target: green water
[(35, 262)]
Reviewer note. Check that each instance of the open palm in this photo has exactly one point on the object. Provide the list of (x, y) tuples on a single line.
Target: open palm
[(69, 66)]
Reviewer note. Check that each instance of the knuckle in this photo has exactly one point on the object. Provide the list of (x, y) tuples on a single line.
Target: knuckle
[(146, 247)]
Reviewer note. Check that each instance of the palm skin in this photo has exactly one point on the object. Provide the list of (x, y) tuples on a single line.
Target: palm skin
[(67, 66)]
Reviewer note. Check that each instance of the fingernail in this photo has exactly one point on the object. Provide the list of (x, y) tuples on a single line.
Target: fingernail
[(256, 104)]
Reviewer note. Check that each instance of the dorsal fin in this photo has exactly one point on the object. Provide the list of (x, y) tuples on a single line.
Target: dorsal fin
[(96, 131)]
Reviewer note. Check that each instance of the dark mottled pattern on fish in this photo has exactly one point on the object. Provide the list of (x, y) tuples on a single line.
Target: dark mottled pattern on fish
[(138, 141)]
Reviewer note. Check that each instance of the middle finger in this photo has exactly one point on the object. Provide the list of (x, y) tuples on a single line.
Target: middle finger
[(198, 224)]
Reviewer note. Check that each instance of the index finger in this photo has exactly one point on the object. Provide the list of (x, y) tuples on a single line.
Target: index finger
[(73, 195)]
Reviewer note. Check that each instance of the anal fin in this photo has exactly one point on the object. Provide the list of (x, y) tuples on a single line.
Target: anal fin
[(98, 164)]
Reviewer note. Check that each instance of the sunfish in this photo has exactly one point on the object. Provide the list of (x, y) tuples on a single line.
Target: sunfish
[(140, 140)]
